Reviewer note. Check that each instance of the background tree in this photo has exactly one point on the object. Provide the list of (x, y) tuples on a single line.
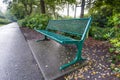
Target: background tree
[(23, 8), (53, 6), (82, 8), (1, 15), (26, 7), (42, 5)]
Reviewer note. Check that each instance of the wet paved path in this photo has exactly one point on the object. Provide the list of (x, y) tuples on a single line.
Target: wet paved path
[(16, 59)]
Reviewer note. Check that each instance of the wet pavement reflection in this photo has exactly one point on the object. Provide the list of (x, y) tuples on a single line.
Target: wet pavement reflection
[(16, 59)]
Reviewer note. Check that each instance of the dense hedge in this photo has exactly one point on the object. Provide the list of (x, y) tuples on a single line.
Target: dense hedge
[(38, 20), (4, 21)]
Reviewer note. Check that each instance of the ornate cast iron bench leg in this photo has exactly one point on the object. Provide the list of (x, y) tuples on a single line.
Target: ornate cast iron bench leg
[(78, 58)]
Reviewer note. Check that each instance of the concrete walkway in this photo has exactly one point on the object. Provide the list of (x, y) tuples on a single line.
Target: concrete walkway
[(16, 59)]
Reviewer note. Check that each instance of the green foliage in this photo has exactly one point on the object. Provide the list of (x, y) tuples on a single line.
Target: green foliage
[(100, 33), (4, 21), (115, 48), (100, 17), (113, 36), (115, 58), (104, 33), (38, 20), (23, 8), (115, 44), (1, 15), (102, 11), (18, 11), (114, 20), (10, 16)]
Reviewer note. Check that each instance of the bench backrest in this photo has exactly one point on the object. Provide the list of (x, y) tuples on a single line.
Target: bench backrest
[(73, 26)]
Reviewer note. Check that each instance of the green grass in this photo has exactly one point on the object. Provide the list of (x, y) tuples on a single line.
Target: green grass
[(4, 21), (1, 25)]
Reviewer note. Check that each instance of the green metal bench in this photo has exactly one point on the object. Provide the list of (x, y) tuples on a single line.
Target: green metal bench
[(76, 27)]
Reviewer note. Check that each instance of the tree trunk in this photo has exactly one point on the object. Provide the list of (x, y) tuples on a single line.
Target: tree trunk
[(30, 9), (42, 5), (75, 10), (89, 4), (82, 9), (26, 13), (53, 9), (26, 7), (68, 9)]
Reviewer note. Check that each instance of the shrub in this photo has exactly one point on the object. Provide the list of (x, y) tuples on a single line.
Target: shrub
[(4, 21), (100, 15), (100, 33), (39, 21), (114, 20), (115, 45), (115, 40)]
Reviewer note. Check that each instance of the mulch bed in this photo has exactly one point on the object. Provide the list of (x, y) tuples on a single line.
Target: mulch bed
[(30, 34), (99, 62)]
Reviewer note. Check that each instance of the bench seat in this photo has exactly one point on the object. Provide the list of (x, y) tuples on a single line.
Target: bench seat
[(76, 27), (57, 37)]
